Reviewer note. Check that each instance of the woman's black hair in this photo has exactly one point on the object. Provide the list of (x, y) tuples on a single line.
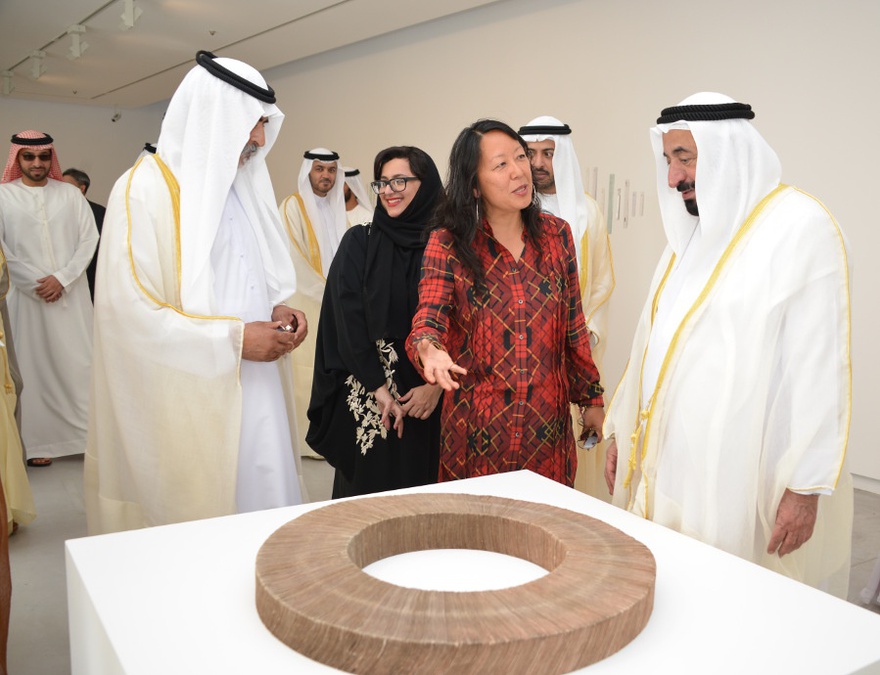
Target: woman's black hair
[(419, 161), (460, 211)]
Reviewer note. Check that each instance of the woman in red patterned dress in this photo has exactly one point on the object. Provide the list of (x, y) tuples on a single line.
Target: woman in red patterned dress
[(500, 324)]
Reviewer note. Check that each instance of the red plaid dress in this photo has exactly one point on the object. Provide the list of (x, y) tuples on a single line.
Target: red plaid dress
[(525, 346)]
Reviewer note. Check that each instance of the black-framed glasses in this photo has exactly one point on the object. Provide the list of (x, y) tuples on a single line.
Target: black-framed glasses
[(398, 184)]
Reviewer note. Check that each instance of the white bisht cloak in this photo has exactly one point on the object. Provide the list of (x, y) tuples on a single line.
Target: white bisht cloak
[(753, 395), (171, 454), (19, 499), (596, 276), (166, 401)]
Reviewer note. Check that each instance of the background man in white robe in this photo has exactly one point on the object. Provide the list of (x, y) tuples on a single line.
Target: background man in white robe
[(732, 417), (189, 418), (556, 173), (315, 220), (48, 234), (358, 207), (315, 215)]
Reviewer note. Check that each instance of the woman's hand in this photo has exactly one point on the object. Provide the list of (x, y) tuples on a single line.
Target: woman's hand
[(593, 417), (389, 407), (437, 366), (420, 401)]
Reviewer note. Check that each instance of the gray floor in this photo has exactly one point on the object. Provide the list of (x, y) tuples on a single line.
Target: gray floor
[(38, 640)]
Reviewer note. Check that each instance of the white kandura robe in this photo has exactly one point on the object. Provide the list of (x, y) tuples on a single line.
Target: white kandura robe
[(173, 454), (267, 476), (359, 215), (50, 230), (753, 394)]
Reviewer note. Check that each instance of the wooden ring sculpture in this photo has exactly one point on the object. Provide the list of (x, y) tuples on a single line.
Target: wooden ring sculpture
[(314, 596)]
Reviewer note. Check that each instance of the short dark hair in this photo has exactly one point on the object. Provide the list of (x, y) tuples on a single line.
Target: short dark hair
[(460, 212), (81, 177), (418, 159)]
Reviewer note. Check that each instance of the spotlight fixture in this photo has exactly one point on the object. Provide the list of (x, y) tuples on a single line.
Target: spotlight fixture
[(37, 67), (77, 44), (7, 87), (130, 14)]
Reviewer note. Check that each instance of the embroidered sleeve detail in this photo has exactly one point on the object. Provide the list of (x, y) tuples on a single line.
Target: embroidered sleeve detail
[(363, 405)]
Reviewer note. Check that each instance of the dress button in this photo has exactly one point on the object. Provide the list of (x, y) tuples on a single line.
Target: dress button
[(521, 337), (520, 301), (522, 402), (518, 434)]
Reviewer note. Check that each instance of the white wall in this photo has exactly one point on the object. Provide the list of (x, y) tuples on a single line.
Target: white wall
[(85, 137), (606, 67)]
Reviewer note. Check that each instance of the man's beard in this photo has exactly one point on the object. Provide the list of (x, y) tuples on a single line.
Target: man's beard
[(249, 151), (543, 181), (36, 175), (689, 204)]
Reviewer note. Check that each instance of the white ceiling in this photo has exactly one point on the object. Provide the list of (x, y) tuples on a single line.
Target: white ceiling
[(136, 67)]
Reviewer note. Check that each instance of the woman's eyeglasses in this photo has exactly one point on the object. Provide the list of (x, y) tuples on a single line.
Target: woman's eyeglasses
[(398, 184)]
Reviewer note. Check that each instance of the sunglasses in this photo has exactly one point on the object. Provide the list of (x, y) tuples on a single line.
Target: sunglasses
[(30, 157)]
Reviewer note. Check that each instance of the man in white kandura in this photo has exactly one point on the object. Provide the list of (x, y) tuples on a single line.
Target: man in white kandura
[(558, 184), (315, 220), (731, 420), (189, 416), (315, 215), (358, 207), (48, 233)]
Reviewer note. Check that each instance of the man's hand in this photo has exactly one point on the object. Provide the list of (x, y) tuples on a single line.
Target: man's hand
[(611, 466), (795, 518), (421, 401), (389, 408), (264, 342), (438, 366), (292, 317), (49, 288)]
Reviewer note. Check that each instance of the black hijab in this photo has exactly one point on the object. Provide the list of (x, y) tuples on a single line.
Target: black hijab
[(394, 257)]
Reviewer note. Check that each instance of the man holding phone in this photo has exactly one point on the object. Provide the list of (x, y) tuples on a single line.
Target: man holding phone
[(189, 306)]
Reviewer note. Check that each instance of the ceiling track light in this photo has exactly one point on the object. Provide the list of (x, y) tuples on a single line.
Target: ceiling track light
[(130, 14), (37, 67), (77, 44)]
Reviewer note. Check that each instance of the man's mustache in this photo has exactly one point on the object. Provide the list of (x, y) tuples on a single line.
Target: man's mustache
[(685, 187)]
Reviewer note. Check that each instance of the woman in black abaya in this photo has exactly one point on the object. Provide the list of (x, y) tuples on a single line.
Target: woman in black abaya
[(371, 415)]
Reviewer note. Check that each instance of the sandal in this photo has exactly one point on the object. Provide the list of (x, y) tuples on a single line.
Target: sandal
[(39, 461)]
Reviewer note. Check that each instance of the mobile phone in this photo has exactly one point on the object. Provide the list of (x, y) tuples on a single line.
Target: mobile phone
[(291, 327), (588, 439)]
